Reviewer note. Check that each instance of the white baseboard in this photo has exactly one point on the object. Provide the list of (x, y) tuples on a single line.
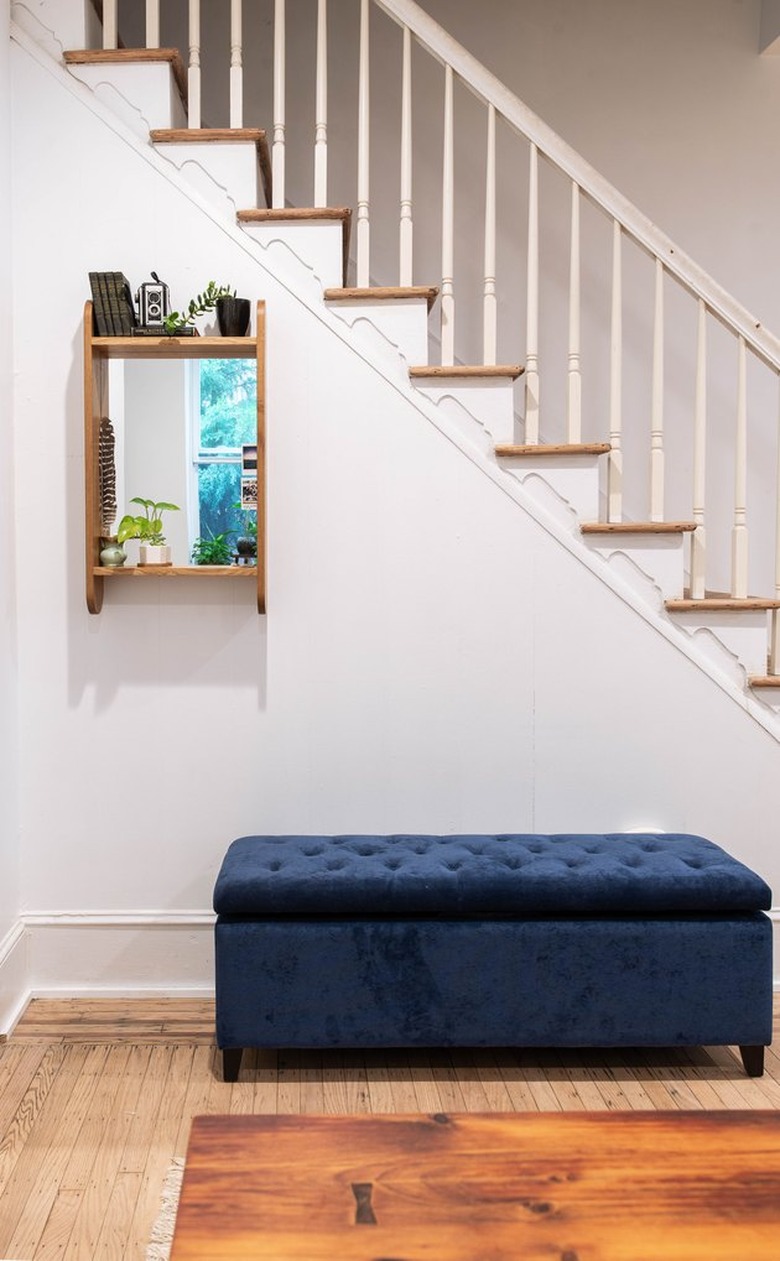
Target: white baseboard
[(106, 954), (14, 975)]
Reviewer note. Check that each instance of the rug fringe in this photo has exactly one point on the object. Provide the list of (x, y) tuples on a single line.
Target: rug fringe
[(161, 1238)]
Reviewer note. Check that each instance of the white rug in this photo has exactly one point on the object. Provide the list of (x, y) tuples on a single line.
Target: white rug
[(161, 1238)]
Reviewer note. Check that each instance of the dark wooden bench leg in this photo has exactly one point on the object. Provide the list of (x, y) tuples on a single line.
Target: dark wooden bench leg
[(231, 1062), (753, 1059)]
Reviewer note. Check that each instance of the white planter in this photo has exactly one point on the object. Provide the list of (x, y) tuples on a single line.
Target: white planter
[(148, 555)]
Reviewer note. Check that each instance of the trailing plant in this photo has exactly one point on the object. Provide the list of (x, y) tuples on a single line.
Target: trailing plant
[(214, 550), (198, 305), (147, 526)]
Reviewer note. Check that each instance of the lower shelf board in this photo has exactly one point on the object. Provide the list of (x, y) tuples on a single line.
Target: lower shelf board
[(177, 571)]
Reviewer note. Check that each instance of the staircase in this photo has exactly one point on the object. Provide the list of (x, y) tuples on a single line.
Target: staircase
[(640, 499)]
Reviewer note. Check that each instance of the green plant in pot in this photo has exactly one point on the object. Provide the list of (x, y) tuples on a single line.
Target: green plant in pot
[(147, 527), (246, 543), (199, 305), (216, 549)]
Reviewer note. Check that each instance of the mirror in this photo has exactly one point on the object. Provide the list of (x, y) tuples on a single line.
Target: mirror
[(186, 432)]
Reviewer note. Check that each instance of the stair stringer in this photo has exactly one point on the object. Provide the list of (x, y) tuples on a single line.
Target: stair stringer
[(554, 516)]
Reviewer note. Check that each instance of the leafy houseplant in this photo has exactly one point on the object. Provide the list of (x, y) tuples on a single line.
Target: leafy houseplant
[(199, 305), (246, 543), (147, 527), (215, 550)]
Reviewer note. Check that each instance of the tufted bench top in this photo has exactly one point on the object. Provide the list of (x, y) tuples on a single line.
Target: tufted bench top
[(614, 873)]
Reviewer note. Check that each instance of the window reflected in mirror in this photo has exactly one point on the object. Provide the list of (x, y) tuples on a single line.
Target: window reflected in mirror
[(182, 431)]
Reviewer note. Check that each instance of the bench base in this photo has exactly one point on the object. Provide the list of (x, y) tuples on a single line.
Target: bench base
[(686, 980)]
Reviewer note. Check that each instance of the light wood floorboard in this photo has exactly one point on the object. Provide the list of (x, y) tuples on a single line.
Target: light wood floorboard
[(97, 1098)]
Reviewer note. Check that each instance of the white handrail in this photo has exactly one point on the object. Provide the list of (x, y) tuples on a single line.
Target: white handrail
[(484, 84)]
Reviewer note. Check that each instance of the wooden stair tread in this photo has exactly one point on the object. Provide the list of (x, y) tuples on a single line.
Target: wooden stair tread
[(129, 56), (299, 214), (474, 371), (554, 449), (721, 604), (764, 680), (222, 135), (288, 213), (638, 527), (380, 293)]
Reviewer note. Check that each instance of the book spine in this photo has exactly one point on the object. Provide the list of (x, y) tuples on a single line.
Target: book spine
[(117, 287), (99, 313), (126, 300), (103, 282)]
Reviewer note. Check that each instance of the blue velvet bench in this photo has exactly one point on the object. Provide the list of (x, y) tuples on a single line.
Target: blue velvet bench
[(502, 940)]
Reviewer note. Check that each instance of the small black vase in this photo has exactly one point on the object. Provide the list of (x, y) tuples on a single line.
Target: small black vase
[(233, 316)]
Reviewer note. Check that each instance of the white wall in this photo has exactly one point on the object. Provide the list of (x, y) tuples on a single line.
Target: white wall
[(418, 668), (9, 841)]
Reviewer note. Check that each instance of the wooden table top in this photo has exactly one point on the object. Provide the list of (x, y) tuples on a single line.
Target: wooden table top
[(620, 1186)]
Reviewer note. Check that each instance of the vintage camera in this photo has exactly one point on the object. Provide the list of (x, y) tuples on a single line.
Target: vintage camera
[(153, 301)]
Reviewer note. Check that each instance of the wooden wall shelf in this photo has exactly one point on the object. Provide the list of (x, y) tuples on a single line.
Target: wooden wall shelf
[(245, 572), (98, 351)]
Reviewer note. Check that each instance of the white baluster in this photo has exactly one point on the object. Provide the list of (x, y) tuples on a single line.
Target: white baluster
[(739, 535), (362, 226), (448, 226), (489, 306), (657, 414), (277, 170), (532, 305), (406, 252), (774, 638), (109, 24), (152, 23), (321, 108), (193, 69), (236, 67), (698, 539), (615, 464), (574, 392)]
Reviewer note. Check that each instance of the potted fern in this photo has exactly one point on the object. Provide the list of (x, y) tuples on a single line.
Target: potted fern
[(147, 527)]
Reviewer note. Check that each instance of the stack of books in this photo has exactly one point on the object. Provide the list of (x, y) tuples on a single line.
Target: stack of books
[(112, 304)]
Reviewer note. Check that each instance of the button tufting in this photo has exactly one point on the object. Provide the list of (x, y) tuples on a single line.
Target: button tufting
[(520, 874)]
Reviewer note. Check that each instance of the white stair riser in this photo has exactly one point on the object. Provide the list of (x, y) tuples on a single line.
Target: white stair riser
[(144, 95), (318, 244), (744, 633), (219, 170), (575, 480), (661, 557), (491, 402), (403, 321)]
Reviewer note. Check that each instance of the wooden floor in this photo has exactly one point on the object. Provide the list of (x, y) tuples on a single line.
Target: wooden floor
[(96, 1099)]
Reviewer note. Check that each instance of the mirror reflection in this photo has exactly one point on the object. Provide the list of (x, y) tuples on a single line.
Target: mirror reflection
[(186, 432)]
